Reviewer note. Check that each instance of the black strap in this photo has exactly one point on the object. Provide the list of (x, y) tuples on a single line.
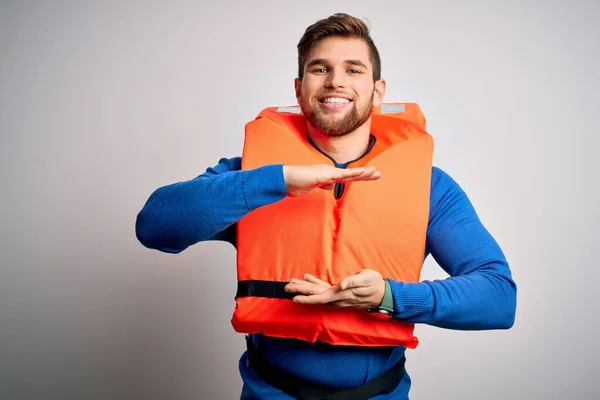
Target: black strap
[(302, 390), (257, 288)]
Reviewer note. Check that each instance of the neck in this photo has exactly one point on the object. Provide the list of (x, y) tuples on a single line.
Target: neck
[(342, 148)]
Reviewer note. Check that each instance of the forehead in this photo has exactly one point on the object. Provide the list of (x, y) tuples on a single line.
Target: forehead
[(337, 50)]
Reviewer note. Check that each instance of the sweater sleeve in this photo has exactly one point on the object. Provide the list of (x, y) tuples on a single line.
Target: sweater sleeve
[(207, 207), (480, 292)]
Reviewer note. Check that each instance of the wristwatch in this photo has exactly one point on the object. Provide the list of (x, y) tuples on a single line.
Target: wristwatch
[(386, 308)]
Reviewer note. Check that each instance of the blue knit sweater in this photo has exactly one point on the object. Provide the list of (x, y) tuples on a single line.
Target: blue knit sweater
[(478, 294)]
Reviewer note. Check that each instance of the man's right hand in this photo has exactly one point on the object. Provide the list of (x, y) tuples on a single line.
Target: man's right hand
[(301, 179)]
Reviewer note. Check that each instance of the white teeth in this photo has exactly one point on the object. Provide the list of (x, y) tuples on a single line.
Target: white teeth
[(337, 100)]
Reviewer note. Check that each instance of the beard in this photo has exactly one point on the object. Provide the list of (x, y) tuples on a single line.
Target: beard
[(331, 125)]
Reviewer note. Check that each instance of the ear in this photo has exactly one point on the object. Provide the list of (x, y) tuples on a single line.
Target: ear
[(297, 85), (379, 92)]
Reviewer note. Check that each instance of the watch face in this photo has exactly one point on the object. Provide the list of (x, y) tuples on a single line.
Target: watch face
[(379, 313)]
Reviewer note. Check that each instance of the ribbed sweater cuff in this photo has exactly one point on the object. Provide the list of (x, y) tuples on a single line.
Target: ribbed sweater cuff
[(263, 185), (411, 300)]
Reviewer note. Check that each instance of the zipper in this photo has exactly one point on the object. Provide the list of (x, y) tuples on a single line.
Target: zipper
[(339, 187)]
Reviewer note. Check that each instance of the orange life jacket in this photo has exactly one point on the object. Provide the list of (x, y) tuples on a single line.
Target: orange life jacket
[(378, 224)]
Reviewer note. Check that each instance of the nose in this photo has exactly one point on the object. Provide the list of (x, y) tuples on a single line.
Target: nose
[(335, 79)]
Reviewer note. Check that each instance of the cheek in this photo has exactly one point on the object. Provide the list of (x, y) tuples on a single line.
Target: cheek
[(365, 87), (310, 88), (308, 96)]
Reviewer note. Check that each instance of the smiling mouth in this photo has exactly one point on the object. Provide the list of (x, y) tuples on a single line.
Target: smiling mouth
[(334, 103), (335, 100)]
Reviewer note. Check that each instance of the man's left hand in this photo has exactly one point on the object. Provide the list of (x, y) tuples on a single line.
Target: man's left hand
[(364, 290)]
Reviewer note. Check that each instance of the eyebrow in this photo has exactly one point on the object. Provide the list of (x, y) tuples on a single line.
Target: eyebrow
[(322, 61)]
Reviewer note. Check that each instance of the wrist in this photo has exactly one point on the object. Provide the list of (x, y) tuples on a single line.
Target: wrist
[(386, 307)]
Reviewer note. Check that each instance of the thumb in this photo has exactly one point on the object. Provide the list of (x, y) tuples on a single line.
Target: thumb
[(353, 281)]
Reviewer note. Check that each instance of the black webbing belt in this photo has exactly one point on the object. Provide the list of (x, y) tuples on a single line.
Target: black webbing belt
[(271, 289), (301, 390)]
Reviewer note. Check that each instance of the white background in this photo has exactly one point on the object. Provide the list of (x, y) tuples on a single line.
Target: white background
[(103, 102)]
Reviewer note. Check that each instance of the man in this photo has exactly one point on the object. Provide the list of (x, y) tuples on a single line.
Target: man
[(328, 279)]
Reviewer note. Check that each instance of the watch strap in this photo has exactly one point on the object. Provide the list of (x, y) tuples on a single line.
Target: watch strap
[(387, 304)]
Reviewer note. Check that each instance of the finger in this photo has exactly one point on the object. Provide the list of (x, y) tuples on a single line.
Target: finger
[(346, 173), (328, 296), (313, 279), (322, 298), (331, 175), (304, 288), (371, 177), (353, 171), (370, 173), (363, 177)]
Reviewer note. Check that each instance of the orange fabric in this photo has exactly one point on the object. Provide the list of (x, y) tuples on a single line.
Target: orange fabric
[(376, 224)]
